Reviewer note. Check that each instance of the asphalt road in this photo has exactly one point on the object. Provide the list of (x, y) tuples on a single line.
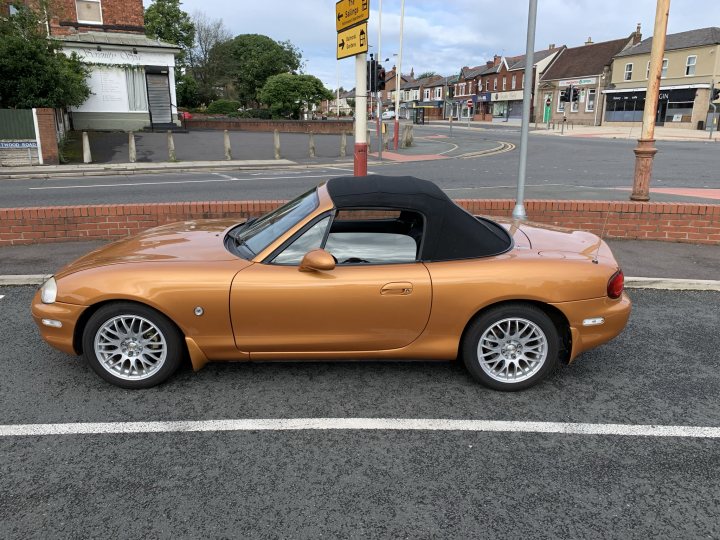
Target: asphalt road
[(344, 484), (558, 168)]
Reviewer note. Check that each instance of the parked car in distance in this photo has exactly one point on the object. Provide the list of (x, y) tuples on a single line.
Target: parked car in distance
[(388, 115), (358, 268)]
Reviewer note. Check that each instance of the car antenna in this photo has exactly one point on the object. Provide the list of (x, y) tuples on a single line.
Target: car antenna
[(602, 233)]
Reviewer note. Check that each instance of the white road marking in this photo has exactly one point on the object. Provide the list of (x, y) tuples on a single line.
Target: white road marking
[(24, 279), (2, 296), (360, 424), (210, 180)]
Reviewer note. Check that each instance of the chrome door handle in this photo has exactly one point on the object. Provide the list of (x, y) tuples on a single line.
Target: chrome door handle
[(397, 288)]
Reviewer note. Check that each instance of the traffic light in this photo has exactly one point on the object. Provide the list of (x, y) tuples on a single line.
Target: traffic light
[(715, 94), (564, 95), (371, 75), (574, 94), (380, 78)]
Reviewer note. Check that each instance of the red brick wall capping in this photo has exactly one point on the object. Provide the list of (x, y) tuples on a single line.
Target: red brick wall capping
[(671, 222), (283, 126)]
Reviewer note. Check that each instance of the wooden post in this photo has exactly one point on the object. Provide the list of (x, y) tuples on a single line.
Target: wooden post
[(87, 156), (132, 151), (343, 144), (311, 144), (645, 150), (171, 146), (276, 143), (226, 144)]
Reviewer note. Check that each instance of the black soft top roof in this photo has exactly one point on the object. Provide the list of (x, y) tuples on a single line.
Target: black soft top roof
[(451, 233)]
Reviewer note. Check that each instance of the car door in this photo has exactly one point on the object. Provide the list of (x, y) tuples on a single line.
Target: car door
[(357, 306)]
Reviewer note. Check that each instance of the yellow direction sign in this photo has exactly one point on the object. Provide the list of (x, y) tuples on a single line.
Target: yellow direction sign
[(352, 41), (351, 12)]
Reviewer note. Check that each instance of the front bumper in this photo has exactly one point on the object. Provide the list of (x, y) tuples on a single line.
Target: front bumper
[(67, 315), (614, 312)]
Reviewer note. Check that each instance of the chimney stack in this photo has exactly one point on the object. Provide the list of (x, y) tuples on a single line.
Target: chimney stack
[(551, 46), (496, 60), (637, 37), (589, 41)]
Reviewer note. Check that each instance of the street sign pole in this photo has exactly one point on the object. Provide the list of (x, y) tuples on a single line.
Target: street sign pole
[(398, 80), (379, 92), (361, 146)]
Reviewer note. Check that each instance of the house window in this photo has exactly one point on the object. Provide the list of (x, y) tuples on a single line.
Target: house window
[(462, 89), (89, 11), (690, 65), (438, 92), (663, 73), (575, 105), (495, 84), (647, 73), (628, 72), (523, 80), (514, 82), (427, 95), (561, 103), (590, 101), (504, 83), (487, 85)]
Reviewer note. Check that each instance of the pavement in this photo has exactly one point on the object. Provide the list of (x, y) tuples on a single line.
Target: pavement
[(638, 258)]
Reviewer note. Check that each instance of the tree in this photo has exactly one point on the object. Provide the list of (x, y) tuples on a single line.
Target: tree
[(165, 20), (33, 70), (288, 94), (186, 89), (426, 75), (207, 66), (253, 58)]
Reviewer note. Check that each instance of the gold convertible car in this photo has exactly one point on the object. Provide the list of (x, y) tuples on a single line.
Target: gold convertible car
[(358, 268)]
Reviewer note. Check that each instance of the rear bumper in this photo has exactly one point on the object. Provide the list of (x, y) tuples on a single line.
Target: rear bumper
[(66, 314), (614, 312)]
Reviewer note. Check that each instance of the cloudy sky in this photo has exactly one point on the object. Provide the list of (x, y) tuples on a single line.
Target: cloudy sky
[(444, 35)]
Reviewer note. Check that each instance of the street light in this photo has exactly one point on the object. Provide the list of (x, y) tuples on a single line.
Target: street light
[(398, 77)]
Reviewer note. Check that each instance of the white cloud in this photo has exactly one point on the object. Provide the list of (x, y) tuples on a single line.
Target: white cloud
[(445, 35)]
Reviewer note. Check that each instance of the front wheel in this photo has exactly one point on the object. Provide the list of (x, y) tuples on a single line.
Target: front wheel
[(511, 347), (131, 345)]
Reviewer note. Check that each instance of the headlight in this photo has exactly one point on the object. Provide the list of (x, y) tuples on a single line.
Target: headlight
[(48, 292)]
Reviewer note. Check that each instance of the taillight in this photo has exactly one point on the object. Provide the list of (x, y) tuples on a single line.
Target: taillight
[(616, 284)]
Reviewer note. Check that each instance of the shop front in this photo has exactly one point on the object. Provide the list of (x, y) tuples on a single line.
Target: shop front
[(507, 106), (676, 106)]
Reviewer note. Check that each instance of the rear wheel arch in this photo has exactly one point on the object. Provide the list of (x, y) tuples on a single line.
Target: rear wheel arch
[(557, 316)]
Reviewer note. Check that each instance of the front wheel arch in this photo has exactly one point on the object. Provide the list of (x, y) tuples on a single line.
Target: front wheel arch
[(90, 311), (558, 318)]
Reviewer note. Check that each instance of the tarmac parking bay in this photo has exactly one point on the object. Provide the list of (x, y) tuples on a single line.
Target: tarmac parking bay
[(371, 482)]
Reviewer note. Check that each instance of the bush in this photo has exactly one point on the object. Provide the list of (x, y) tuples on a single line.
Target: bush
[(260, 114), (223, 106)]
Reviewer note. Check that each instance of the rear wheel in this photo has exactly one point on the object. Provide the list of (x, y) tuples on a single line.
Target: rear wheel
[(511, 347), (131, 345)]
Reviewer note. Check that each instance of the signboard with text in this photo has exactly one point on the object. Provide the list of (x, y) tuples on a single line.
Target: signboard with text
[(352, 41), (351, 12)]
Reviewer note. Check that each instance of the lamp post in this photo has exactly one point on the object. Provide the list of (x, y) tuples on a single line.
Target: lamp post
[(645, 150), (398, 78)]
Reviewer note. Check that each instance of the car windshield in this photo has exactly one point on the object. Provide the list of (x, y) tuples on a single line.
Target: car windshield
[(258, 234)]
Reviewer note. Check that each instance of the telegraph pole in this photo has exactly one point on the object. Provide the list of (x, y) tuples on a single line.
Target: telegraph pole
[(645, 150), (398, 80)]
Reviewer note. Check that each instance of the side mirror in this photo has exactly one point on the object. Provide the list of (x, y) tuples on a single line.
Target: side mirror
[(317, 260)]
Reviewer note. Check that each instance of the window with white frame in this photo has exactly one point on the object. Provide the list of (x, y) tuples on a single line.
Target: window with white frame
[(504, 83), (523, 80), (438, 92), (575, 105), (513, 83), (495, 84), (426, 95), (89, 11), (628, 72), (462, 89), (561, 103), (663, 73), (647, 73), (690, 65), (590, 100)]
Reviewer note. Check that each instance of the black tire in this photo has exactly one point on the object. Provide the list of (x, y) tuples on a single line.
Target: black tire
[(500, 314), (172, 337)]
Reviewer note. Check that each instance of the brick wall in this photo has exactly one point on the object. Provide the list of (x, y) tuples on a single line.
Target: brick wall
[(121, 15), (283, 126), (672, 222), (48, 136)]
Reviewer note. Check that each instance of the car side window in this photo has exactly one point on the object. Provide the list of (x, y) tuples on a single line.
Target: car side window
[(375, 236), (309, 240)]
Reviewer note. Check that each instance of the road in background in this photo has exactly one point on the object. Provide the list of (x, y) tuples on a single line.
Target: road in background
[(308, 484), (558, 168)]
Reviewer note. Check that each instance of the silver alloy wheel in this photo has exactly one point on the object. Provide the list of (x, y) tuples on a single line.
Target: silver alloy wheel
[(512, 350), (130, 347)]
